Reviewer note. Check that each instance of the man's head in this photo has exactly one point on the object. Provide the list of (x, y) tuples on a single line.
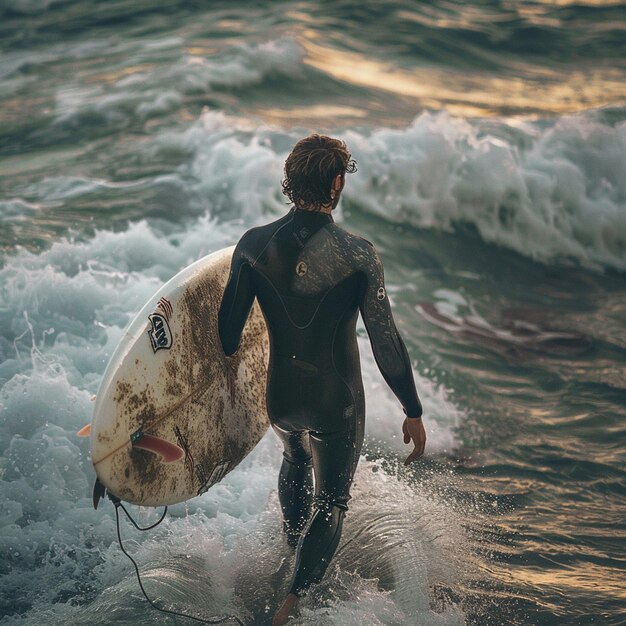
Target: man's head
[(315, 170)]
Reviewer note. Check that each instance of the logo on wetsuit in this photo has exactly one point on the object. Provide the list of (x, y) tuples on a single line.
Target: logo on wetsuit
[(301, 268), (381, 293)]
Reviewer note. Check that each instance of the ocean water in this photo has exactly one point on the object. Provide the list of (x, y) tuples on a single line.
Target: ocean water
[(137, 136)]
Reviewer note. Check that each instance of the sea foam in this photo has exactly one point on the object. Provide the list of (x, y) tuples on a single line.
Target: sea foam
[(553, 191)]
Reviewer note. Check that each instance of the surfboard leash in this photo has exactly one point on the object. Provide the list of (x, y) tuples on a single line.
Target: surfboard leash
[(118, 505)]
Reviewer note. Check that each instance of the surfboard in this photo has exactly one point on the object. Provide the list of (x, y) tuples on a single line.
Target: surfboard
[(169, 387)]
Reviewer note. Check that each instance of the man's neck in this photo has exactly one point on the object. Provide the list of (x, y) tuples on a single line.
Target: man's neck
[(325, 208)]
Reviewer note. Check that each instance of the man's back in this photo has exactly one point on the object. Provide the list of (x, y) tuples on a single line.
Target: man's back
[(311, 277)]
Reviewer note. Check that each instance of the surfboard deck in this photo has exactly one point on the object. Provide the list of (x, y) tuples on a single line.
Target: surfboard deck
[(170, 380)]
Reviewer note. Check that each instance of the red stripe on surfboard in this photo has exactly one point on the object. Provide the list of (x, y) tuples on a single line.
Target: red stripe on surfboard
[(168, 451), (166, 306)]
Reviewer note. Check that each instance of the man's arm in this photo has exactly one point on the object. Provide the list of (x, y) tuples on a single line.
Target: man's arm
[(389, 350), (237, 300)]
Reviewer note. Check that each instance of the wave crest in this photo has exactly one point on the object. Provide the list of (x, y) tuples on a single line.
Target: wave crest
[(553, 191)]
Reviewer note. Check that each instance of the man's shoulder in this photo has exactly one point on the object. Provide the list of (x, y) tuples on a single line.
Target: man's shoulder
[(349, 237), (259, 235), (360, 247)]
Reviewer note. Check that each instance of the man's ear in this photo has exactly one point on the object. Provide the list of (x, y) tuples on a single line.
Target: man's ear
[(338, 182)]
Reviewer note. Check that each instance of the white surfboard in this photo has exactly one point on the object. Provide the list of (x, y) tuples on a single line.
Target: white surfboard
[(169, 381)]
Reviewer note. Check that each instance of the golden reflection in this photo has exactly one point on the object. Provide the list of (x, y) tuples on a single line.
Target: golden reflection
[(201, 50), (554, 415), (467, 17), (237, 26), (470, 94), (114, 75), (600, 579), (300, 17), (537, 16), (316, 111)]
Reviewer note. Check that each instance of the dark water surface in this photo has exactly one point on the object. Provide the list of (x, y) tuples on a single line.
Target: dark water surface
[(490, 138)]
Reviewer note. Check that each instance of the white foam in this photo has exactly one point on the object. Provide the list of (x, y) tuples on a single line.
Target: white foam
[(233, 169), (553, 191)]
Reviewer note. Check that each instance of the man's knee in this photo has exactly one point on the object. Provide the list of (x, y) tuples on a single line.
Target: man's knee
[(298, 457)]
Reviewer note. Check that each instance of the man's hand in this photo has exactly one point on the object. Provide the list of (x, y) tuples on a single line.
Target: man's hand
[(413, 429)]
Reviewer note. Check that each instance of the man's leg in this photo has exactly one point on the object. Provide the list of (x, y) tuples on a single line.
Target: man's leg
[(335, 456), (295, 482)]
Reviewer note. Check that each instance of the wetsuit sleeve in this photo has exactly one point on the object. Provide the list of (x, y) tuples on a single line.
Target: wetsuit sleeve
[(389, 350), (237, 300)]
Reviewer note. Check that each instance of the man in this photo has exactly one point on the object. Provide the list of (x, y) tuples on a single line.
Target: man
[(311, 278)]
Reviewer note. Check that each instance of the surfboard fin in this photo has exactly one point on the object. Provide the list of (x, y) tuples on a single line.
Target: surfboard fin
[(85, 431), (98, 493), (168, 451)]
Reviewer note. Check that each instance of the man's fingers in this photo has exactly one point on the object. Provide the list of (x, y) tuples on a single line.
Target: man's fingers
[(411, 457), (407, 438), (417, 452)]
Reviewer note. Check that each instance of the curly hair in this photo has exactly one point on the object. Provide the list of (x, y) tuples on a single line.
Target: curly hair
[(311, 167)]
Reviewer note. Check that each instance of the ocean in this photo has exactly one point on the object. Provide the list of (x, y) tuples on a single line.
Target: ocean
[(490, 137)]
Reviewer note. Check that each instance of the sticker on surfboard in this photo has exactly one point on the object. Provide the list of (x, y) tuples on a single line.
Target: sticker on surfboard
[(159, 332), (165, 306)]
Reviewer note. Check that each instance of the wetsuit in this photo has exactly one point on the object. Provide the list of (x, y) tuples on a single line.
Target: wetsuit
[(311, 278)]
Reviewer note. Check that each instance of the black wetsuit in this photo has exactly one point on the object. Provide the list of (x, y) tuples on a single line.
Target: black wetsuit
[(311, 278)]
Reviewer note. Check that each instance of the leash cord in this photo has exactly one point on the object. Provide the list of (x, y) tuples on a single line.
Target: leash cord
[(216, 620)]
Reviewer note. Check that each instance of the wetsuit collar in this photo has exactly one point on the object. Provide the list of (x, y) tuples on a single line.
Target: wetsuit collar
[(312, 215)]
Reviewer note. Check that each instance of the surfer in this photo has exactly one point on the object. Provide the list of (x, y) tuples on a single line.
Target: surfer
[(311, 278)]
